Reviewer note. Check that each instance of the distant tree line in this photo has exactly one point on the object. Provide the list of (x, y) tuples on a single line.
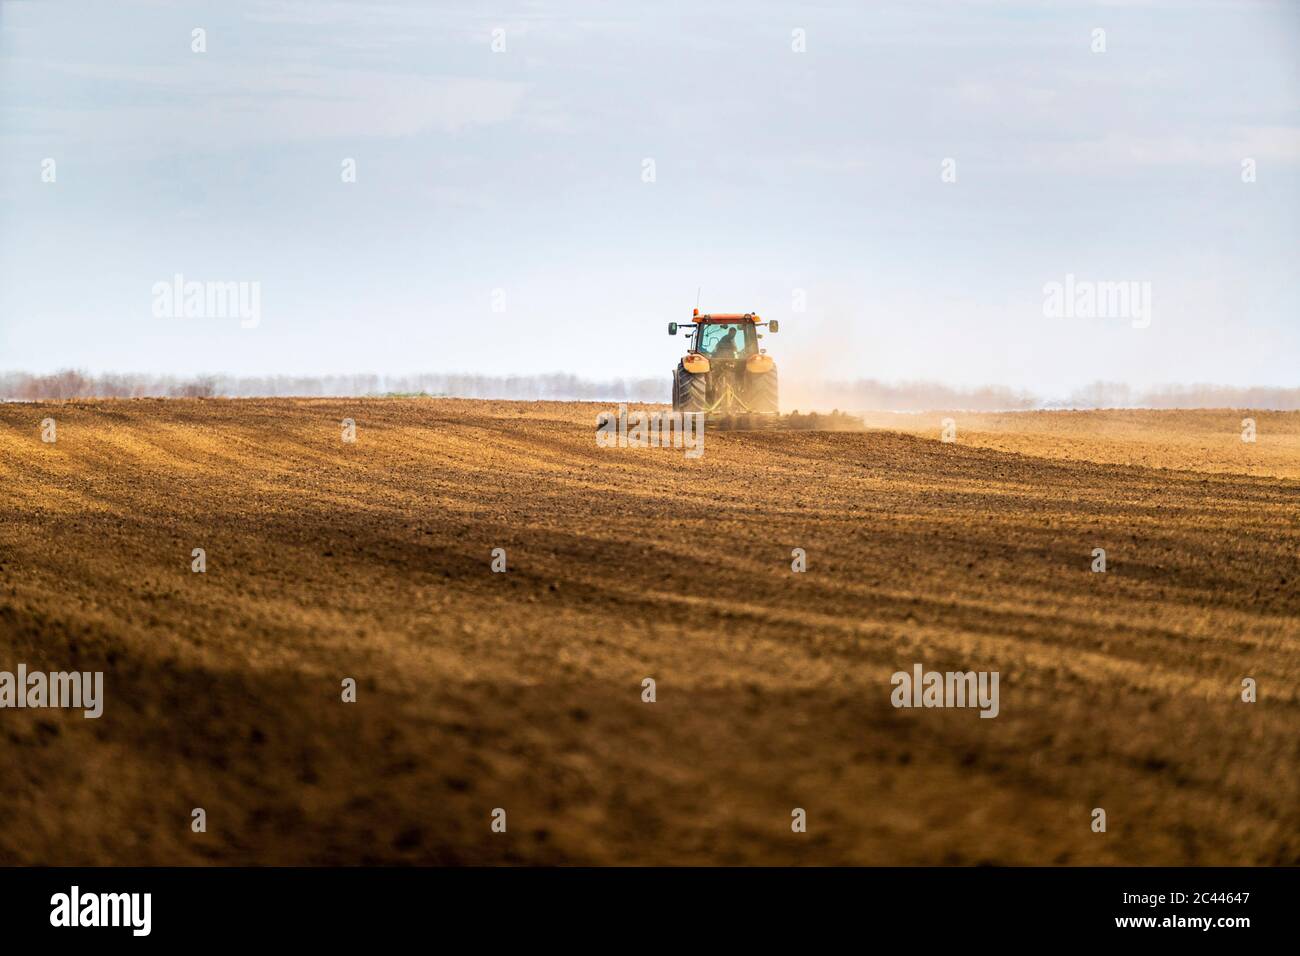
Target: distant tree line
[(69, 383), (873, 395), (860, 395)]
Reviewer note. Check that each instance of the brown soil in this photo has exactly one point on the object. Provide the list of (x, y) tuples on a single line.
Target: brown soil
[(522, 690)]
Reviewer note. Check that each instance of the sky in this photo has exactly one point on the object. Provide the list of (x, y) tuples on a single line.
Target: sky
[(897, 183)]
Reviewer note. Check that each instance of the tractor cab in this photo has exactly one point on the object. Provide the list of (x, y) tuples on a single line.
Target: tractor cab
[(725, 335), (727, 340)]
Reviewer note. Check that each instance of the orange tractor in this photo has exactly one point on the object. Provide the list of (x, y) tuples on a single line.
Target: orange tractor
[(724, 372)]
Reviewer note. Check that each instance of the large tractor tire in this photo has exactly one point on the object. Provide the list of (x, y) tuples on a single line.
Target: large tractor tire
[(763, 398), (690, 391)]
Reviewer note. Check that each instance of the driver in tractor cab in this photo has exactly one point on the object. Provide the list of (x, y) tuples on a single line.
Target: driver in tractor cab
[(726, 347)]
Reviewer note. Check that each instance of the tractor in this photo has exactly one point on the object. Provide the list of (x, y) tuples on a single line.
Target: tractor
[(724, 373)]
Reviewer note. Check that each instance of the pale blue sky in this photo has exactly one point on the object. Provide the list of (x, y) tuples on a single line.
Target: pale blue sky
[(776, 171)]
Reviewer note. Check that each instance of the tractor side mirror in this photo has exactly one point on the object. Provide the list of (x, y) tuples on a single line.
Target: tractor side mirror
[(773, 326), (672, 328)]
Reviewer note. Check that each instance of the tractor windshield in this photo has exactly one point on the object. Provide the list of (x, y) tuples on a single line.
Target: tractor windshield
[(730, 340)]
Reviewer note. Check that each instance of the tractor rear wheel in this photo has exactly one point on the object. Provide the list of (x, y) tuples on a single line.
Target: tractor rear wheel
[(690, 391), (763, 398)]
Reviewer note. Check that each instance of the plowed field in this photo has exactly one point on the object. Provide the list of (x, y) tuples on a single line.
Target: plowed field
[(522, 690)]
